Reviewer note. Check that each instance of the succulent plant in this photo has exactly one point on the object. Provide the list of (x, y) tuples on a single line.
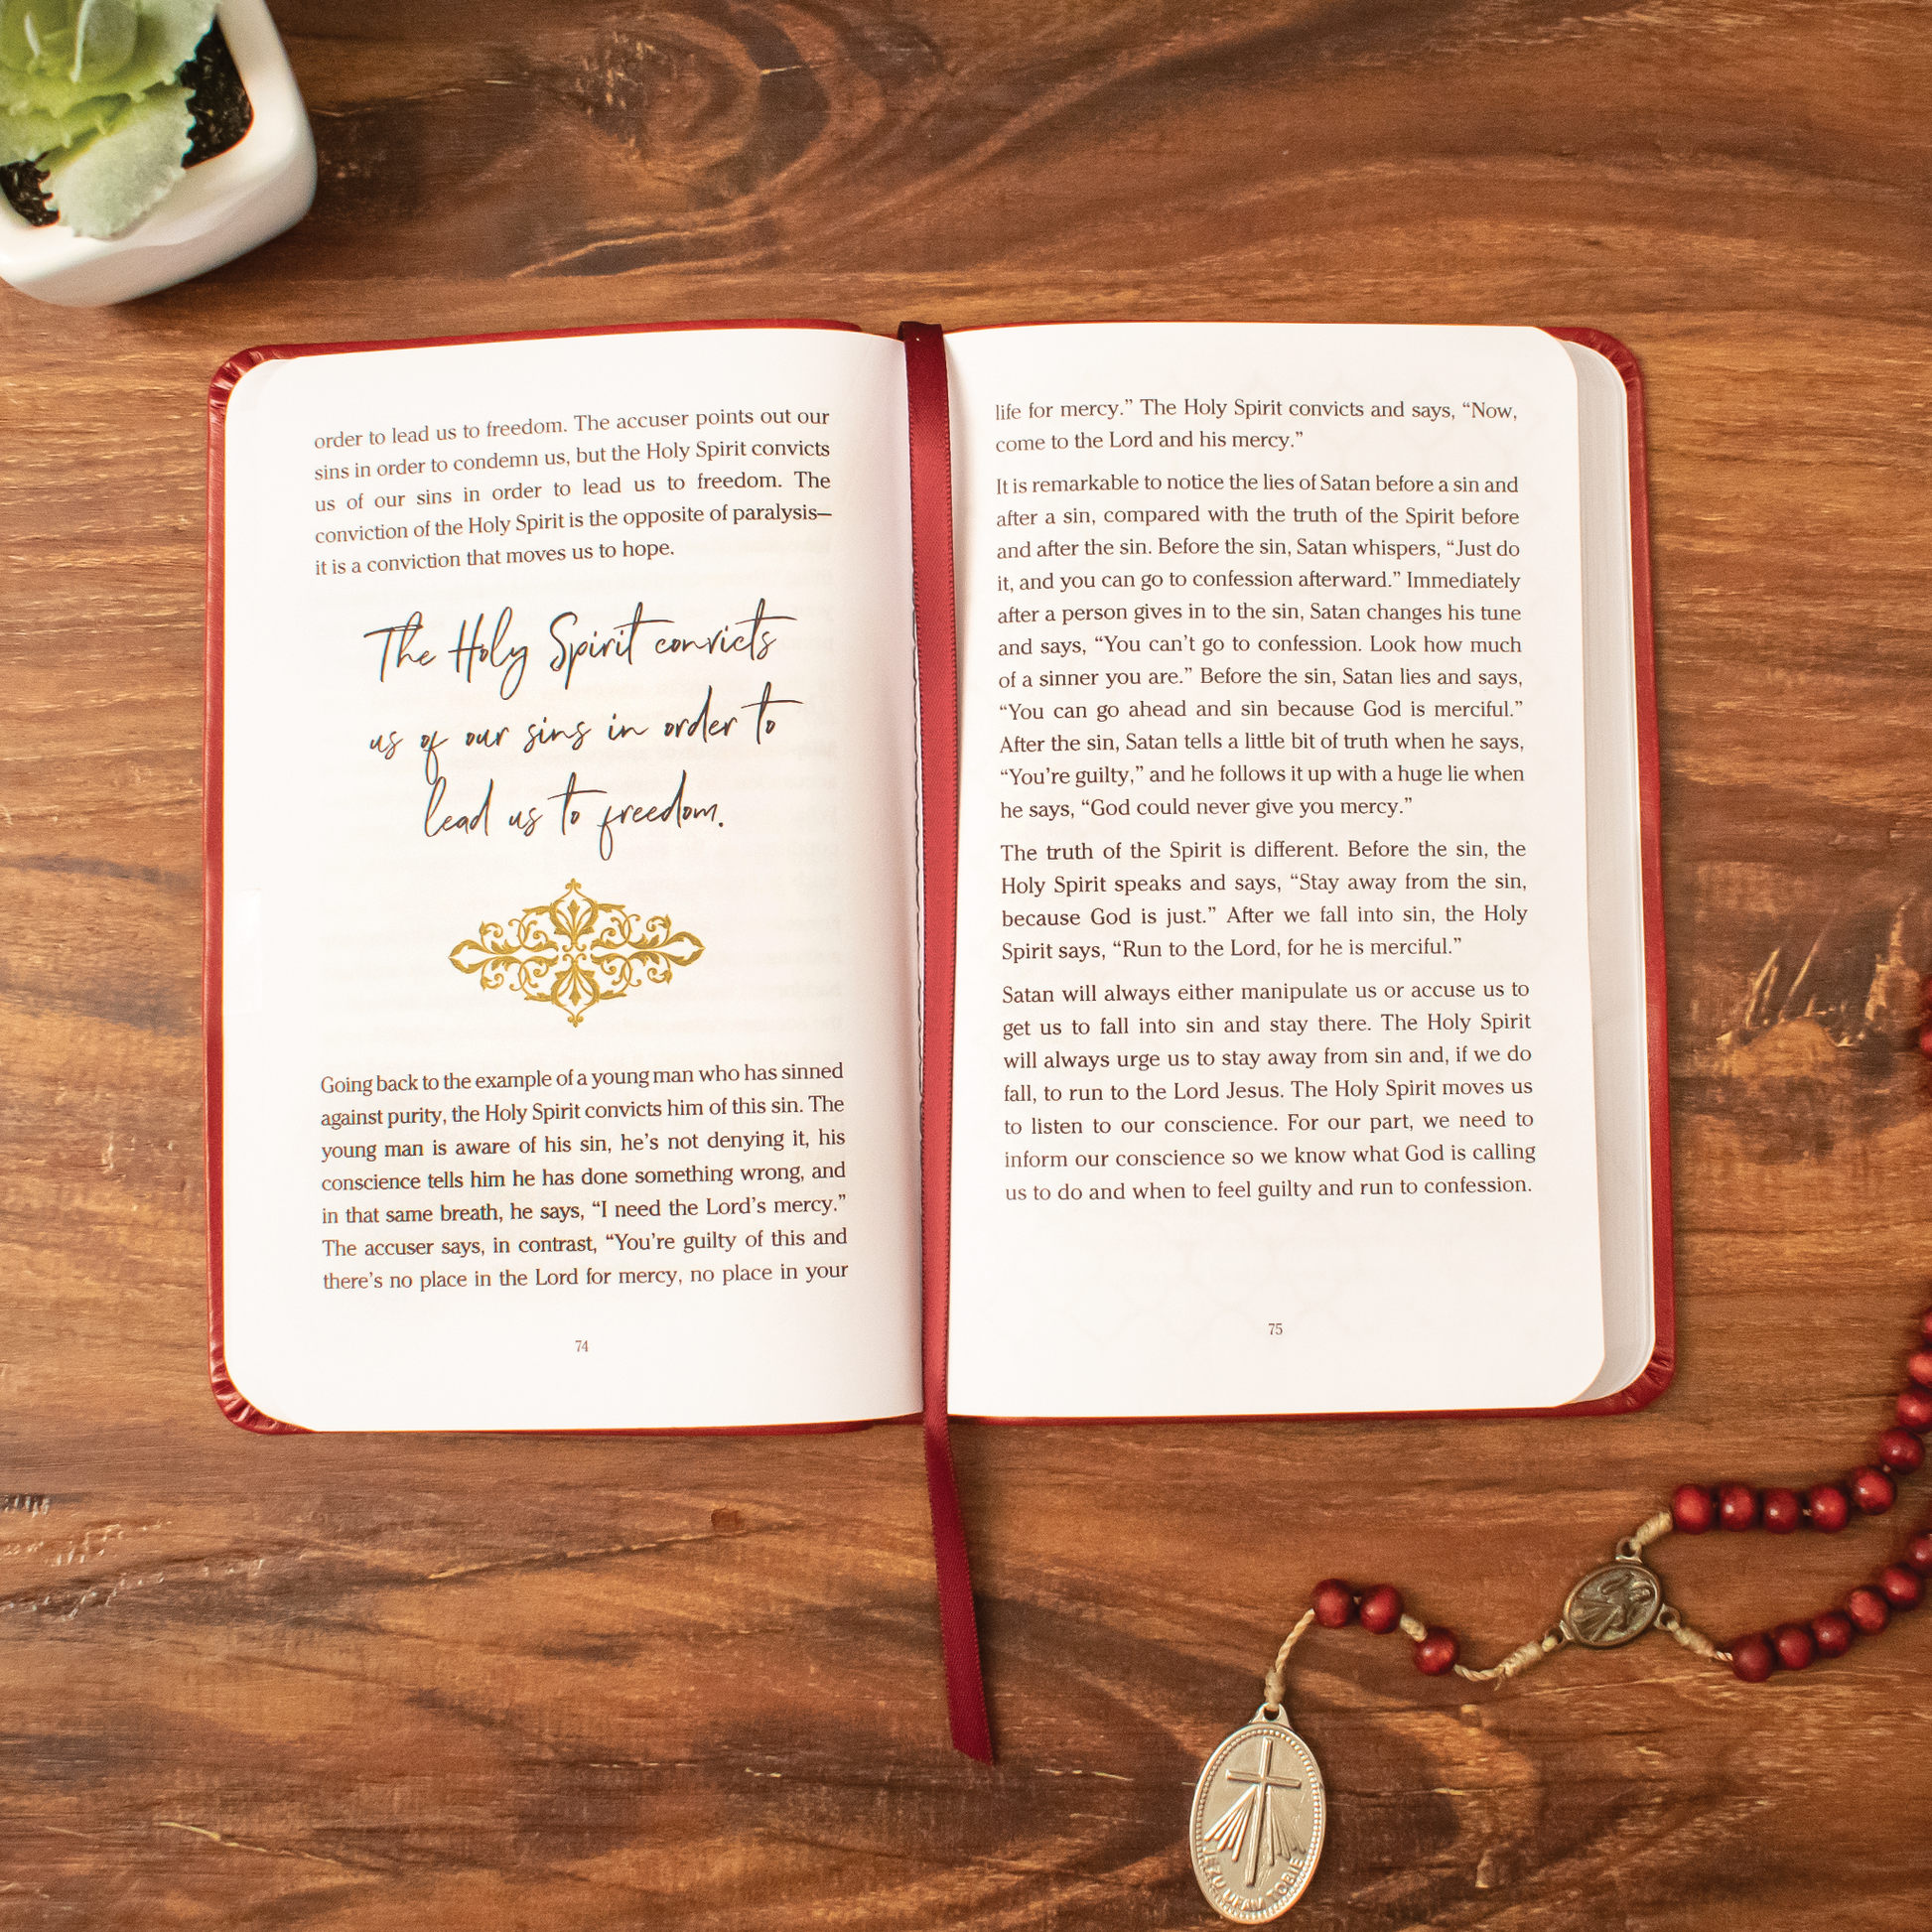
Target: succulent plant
[(89, 94)]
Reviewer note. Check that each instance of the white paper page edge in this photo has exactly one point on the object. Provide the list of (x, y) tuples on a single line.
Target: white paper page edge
[(1618, 988)]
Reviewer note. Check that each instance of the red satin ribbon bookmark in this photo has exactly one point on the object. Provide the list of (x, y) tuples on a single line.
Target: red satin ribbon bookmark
[(930, 416)]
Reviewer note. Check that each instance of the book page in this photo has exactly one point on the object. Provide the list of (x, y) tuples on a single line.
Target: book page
[(1275, 1086), (569, 947), (1622, 990)]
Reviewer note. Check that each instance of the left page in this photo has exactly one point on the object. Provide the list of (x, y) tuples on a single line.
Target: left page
[(564, 850)]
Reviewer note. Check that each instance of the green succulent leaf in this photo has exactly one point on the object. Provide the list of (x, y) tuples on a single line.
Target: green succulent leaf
[(25, 137), (107, 184), (57, 55)]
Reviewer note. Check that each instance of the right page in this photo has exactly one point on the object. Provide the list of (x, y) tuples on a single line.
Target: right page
[(1275, 1086)]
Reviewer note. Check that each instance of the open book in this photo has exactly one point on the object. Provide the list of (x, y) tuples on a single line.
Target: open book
[(1212, 969)]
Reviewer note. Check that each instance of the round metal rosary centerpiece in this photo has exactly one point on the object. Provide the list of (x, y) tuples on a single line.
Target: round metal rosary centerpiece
[(1257, 1822), (1612, 1605)]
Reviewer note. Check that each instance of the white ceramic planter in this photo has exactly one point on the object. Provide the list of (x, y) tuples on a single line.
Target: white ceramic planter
[(229, 205)]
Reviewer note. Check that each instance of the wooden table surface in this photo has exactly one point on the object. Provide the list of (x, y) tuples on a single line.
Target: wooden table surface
[(489, 1682)]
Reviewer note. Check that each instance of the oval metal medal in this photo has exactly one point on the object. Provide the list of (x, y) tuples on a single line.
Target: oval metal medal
[(1256, 1822), (1612, 1605)]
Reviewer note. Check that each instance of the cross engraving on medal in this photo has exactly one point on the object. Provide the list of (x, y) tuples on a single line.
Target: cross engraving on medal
[(1256, 1806)]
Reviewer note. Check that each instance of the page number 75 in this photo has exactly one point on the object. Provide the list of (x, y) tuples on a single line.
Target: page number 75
[(1274, 1328)]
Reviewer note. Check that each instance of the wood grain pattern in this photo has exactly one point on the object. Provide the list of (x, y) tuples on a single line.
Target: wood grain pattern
[(488, 1681)]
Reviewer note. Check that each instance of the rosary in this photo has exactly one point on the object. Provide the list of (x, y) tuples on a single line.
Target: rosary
[(1260, 1810)]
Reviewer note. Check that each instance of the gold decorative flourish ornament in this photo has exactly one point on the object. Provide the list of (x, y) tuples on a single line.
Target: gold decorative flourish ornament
[(576, 952)]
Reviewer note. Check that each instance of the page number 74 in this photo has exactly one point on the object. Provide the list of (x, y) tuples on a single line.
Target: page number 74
[(583, 1348)]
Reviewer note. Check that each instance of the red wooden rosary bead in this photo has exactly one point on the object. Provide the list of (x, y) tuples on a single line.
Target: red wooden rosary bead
[(1692, 1509), (1435, 1653), (1868, 1610), (1737, 1506), (1783, 1512), (1334, 1603), (1381, 1610), (1918, 1553), (1872, 1491), (1794, 1645), (1901, 1452), (1830, 1511), (1919, 1367), (1833, 1630), (1752, 1658), (1903, 1588), (1914, 1409)]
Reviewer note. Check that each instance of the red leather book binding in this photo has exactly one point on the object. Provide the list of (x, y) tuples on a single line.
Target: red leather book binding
[(930, 453)]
